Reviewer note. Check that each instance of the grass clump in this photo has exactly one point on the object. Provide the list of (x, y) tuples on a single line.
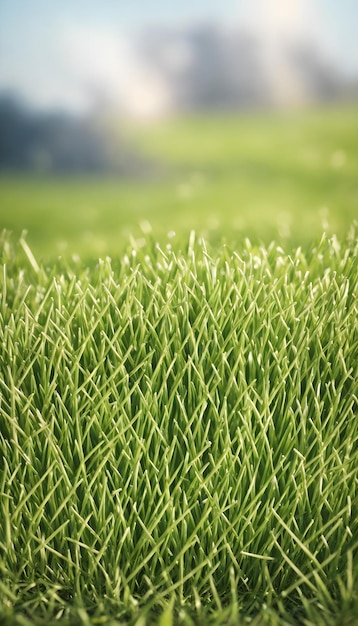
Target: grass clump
[(179, 441)]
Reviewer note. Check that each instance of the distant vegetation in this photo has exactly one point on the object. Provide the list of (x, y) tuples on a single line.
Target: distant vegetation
[(59, 143), (269, 176), (208, 67), (198, 69)]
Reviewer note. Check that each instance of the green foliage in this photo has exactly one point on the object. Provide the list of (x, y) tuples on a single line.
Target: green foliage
[(178, 436)]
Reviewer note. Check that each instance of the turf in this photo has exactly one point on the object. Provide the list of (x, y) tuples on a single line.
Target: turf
[(179, 439)]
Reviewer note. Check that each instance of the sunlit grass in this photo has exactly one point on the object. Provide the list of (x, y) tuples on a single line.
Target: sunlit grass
[(178, 435)]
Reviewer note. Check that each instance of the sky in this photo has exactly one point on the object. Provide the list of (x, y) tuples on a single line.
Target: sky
[(56, 52)]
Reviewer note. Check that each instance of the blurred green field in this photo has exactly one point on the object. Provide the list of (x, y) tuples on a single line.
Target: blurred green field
[(286, 177)]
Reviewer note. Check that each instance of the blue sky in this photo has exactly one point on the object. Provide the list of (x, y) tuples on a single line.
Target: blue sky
[(126, 13), (36, 35), (339, 16)]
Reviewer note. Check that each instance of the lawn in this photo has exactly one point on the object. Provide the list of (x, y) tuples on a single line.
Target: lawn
[(178, 418)]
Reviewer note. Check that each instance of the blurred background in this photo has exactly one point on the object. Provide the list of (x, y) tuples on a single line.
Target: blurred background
[(236, 118)]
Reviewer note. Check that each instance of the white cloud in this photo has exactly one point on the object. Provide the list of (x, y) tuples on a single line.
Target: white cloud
[(283, 19), (86, 65), (106, 64), (278, 25)]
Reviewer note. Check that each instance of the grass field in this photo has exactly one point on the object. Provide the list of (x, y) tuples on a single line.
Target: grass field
[(268, 177), (178, 425)]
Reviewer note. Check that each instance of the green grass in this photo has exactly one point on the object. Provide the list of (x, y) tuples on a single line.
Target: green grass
[(271, 177), (179, 442), (178, 429)]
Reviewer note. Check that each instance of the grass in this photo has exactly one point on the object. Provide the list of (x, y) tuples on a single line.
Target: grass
[(179, 439), (285, 178), (178, 432)]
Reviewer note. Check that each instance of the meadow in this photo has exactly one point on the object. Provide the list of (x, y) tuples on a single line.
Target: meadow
[(287, 177), (178, 426)]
